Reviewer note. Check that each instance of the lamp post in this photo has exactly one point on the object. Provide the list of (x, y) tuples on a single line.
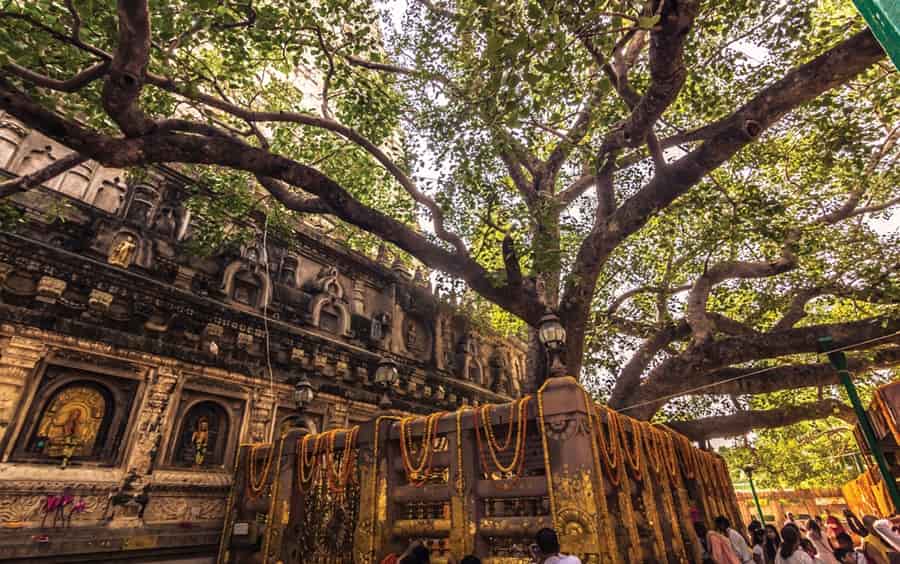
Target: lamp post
[(838, 360), (552, 336), (748, 470), (386, 377), (303, 395)]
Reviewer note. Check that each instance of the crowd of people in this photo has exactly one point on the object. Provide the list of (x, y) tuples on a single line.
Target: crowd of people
[(545, 550), (816, 542)]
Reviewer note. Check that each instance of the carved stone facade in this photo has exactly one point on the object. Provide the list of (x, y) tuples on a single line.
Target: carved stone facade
[(131, 370)]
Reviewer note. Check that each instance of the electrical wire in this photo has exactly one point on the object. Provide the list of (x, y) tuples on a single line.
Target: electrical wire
[(265, 257), (749, 374)]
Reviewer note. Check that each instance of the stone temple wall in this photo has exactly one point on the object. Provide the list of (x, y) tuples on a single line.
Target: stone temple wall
[(131, 371)]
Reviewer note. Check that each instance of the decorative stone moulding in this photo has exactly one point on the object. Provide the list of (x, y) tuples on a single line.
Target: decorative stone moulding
[(49, 289), (244, 340), (99, 300), (214, 330)]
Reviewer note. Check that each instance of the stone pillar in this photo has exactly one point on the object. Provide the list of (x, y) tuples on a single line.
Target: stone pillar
[(337, 416), (17, 362), (261, 415), (150, 420)]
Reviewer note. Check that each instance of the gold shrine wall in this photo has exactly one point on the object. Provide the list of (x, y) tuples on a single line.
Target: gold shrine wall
[(156, 396), (479, 480)]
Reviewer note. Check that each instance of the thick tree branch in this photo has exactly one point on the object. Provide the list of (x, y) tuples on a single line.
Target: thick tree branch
[(677, 375), (790, 376), (743, 422), (73, 84), (328, 124), (230, 152), (697, 316), (802, 84), (51, 171), (128, 69), (629, 378)]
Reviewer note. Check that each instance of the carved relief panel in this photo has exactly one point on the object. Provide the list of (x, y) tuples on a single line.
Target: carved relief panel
[(109, 190), (76, 417), (12, 133), (204, 431)]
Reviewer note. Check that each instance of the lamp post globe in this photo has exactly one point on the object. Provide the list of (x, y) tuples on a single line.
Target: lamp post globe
[(552, 336), (303, 393), (386, 377)]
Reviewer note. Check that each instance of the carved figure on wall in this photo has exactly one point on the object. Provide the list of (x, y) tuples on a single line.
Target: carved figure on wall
[(380, 323), (70, 425), (412, 334), (200, 439), (327, 282), (122, 251), (203, 436)]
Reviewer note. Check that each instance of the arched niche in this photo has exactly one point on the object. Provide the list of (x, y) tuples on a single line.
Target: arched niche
[(38, 158), (246, 285), (77, 180), (202, 437), (76, 416), (12, 133), (328, 309), (109, 191), (142, 204)]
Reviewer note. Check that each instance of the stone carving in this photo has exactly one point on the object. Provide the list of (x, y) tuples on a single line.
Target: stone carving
[(359, 297), (69, 427), (122, 251), (185, 509), (150, 420), (263, 411), (246, 280), (111, 195), (49, 289), (37, 159), (76, 182), (11, 135), (380, 327), (99, 300), (328, 309)]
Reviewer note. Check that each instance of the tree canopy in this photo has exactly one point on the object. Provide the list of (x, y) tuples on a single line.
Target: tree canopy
[(693, 186)]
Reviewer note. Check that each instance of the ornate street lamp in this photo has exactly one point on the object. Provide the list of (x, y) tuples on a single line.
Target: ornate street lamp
[(386, 377), (552, 335), (303, 393)]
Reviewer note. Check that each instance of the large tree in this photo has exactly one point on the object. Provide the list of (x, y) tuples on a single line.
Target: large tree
[(691, 182)]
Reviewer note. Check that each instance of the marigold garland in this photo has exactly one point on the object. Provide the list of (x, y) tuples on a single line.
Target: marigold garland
[(633, 456), (256, 481), (519, 420), (418, 474), (607, 444)]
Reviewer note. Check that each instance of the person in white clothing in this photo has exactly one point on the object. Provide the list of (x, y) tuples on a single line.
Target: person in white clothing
[(790, 551), (738, 542), (546, 549)]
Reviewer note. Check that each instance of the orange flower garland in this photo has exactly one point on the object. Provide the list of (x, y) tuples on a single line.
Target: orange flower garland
[(518, 419), (256, 481), (418, 474)]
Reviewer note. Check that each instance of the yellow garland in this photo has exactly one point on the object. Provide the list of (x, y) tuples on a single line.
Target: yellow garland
[(460, 471), (547, 466), (418, 473), (494, 449), (256, 482), (633, 458), (599, 490), (610, 451), (486, 415)]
